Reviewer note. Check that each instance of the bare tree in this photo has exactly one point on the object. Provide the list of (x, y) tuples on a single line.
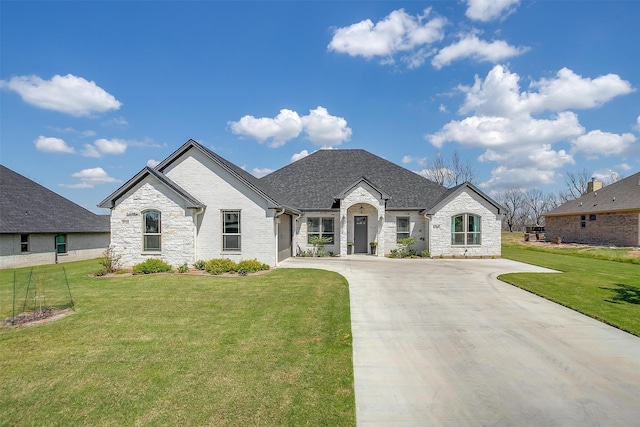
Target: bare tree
[(576, 183), (461, 171), (512, 200), (450, 173), (438, 170), (536, 201)]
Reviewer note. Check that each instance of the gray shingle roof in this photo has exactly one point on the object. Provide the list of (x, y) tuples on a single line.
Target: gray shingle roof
[(623, 195), (314, 181), (27, 207)]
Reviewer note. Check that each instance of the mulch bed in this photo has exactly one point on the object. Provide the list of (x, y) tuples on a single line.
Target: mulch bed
[(38, 317)]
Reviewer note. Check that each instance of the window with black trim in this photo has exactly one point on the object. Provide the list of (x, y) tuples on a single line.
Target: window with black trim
[(231, 237), (152, 231), (61, 243), (320, 227), (592, 217), (402, 228), (24, 243), (583, 221), (465, 230)]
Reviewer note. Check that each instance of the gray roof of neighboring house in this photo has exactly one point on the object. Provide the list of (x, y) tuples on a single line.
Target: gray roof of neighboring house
[(313, 182), (623, 195), (27, 207)]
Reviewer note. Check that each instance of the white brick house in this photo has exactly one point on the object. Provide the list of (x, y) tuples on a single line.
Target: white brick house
[(195, 205)]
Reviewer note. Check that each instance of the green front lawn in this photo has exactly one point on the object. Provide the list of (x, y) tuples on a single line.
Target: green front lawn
[(173, 349), (605, 290)]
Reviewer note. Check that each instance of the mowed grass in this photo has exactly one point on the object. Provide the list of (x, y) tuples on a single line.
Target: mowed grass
[(273, 349), (605, 290)]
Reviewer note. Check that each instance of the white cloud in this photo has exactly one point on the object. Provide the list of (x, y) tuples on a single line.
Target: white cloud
[(407, 159), (488, 10), (499, 93), (636, 127), (66, 94), (111, 146), (89, 178), (53, 145), (90, 151), (397, 32), (286, 125), (443, 108), (152, 163), (298, 156), (422, 161), (321, 127), (116, 121), (625, 166), (84, 133), (104, 146), (606, 176), (470, 46), (597, 142), (503, 122), (324, 129), (260, 172), (505, 132)]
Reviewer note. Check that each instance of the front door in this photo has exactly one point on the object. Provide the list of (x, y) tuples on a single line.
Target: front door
[(360, 234)]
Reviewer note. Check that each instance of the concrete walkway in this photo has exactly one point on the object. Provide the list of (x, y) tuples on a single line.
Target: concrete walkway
[(444, 343)]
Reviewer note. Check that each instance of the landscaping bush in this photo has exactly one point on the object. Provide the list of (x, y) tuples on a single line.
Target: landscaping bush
[(250, 266), (425, 254), (183, 268), (152, 265), (200, 265), (220, 266), (109, 261)]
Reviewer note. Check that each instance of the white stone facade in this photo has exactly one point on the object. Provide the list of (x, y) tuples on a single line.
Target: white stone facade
[(183, 241), (439, 227)]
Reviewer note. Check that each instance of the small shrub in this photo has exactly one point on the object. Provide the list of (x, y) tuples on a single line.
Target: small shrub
[(200, 265), (110, 262), (425, 254), (394, 253), (152, 265), (250, 266), (220, 266), (319, 243), (183, 268)]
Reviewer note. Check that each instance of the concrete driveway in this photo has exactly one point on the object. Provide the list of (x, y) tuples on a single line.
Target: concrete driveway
[(444, 343)]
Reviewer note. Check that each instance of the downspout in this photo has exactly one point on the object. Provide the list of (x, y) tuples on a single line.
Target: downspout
[(277, 229), (196, 212)]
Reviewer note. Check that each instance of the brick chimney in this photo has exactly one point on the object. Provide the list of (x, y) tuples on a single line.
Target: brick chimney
[(593, 185)]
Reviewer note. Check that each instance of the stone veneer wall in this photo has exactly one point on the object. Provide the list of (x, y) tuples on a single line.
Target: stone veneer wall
[(466, 202), (612, 229), (176, 225)]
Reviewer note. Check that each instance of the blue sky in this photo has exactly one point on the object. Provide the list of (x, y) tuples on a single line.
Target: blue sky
[(91, 92)]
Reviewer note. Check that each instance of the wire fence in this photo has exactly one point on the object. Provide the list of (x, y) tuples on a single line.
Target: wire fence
[(34, 294)]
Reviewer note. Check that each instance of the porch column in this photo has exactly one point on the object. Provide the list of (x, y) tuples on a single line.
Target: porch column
[(343, 229)]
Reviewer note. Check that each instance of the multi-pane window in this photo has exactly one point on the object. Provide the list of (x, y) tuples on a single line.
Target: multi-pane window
[(402, 228), (592, 217), (583, 221), (24, 243), (151, 230), (61, 243), (231, 236), (465, 230), (320, 227)]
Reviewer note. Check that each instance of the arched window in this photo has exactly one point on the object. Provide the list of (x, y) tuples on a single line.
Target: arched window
[(465, 230), (151, 231)]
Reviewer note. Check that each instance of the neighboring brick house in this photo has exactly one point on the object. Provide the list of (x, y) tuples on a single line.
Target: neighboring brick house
[(195, 205), (604, 216), (38, 226)]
